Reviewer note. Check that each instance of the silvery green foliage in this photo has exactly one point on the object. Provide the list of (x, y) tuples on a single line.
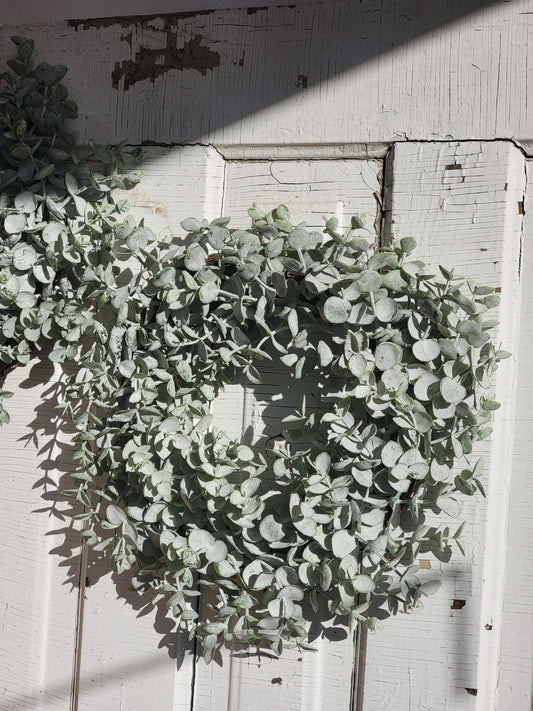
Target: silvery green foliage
[(54, 209), (158, 325)]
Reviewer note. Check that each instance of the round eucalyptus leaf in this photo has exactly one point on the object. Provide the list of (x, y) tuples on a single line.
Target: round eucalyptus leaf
[(217, 552), (270, 529), (25, 299), (395, 380), (299, 239), (394, 281), (336, 310), (195, 258), (208, 292), (363, 584), (357, 365), (449, 505), (138, 239), (26, 202), (200, 540), (369, 281), (14, 224), (116, 515), (426, 387), (407, 244), (191, 224), (452, 391), (387, 355), (386, 310), (24, 256), (391, 452), (342, 543), (426, 350)]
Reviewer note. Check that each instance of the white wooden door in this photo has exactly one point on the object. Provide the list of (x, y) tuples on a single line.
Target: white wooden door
[(73, 637)]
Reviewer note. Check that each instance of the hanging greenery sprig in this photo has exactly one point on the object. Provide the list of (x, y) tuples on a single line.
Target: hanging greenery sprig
[(158, 325)]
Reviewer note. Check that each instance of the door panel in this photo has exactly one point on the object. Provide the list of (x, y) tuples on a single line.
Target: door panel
[(320, 680)]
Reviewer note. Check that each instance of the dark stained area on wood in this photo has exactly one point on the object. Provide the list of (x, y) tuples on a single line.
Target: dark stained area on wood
[(98, 23), (152, 63), (458, 604)]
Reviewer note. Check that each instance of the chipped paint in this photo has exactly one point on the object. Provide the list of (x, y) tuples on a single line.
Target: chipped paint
[(153, 63), (98, 23)]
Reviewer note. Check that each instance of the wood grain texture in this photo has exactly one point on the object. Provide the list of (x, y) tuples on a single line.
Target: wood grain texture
[(299, 681), (131, 658), (318, 73), (39, 560), (51, 10), (515, 687), (461, 202)]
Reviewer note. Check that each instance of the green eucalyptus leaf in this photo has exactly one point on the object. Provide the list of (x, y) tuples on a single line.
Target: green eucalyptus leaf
[(336, 310), (387, 355), (426, 350)]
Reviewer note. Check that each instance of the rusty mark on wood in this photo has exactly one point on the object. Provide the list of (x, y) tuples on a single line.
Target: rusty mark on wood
[(152, 63), (472, 692), (521, 210), (458, 604), (488, 627), (424, 564), (498, 288)]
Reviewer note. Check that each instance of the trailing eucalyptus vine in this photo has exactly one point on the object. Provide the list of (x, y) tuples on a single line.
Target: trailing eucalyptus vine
[(335, 511)]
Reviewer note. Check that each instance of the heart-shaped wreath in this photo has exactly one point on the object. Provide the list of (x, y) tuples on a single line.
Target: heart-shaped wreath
[(157, 327)]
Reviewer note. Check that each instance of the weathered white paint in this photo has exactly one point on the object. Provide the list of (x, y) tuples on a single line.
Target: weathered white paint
[(12, 13), (514, 690), (39, 559), (335, 71), (461, 202)]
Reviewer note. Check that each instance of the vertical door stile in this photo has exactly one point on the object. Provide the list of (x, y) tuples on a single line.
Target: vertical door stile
[(515, 661), (460, 201), (39, 557), (131, 656)]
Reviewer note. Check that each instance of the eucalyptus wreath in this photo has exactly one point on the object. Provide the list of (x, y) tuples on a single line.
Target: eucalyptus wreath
[(333, 513)]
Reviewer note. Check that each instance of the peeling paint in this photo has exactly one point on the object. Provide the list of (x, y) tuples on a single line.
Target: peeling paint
[(153, 63), (98, 23)]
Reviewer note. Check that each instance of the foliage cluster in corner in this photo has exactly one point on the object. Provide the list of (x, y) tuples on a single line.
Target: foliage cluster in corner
[(334, 514)]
